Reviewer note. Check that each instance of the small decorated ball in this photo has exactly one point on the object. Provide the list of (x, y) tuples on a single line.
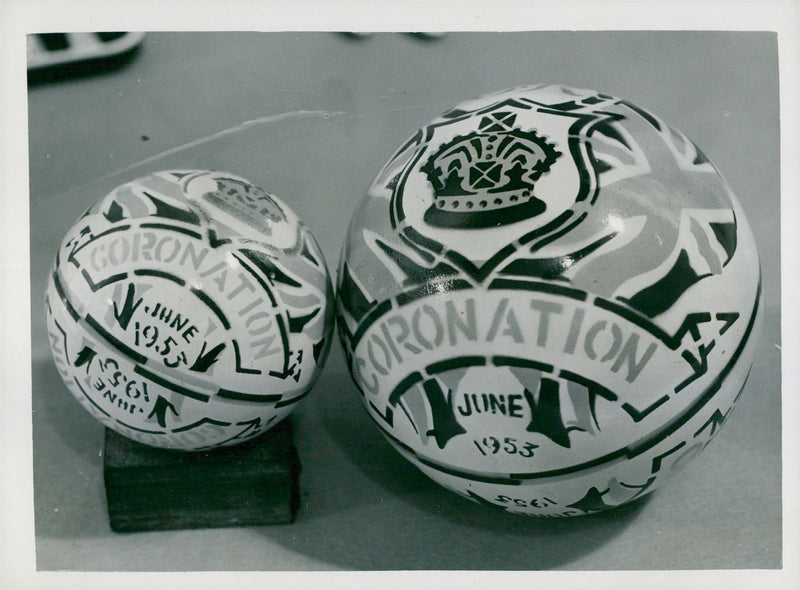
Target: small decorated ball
[(189, 310), (549, 300)]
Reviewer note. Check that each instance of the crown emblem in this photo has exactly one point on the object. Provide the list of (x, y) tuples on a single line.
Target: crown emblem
[(248, 203), (486, 178), (247, 199)]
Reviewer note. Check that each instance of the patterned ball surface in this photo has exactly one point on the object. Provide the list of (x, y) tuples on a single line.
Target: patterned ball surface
[(549, 300), (189, 310)]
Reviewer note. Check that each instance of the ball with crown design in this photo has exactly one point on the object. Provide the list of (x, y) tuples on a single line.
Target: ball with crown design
[(189, 310), (549, 300)]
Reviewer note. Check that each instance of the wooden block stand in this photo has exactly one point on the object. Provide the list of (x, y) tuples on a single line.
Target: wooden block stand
[(255, 483)]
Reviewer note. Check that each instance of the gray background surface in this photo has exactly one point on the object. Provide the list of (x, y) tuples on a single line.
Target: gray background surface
[(363, 506)]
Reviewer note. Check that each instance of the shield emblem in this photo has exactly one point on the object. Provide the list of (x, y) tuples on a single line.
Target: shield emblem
[(497, 174)]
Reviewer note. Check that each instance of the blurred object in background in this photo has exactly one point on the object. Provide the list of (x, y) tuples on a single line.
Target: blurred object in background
[(61, 56), (422, 35)]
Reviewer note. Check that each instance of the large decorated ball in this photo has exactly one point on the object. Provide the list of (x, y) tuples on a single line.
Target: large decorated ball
[(189, 310), (549, 300)]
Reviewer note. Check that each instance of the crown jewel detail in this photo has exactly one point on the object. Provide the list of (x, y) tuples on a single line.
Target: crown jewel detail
[(486, 178)]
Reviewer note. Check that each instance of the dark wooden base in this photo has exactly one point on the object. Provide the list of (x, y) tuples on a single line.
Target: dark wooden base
[(255, 483)]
